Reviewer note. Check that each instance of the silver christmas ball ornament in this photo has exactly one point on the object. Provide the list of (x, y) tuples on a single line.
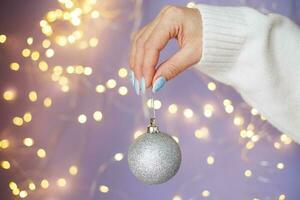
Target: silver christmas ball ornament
[(154, 157)]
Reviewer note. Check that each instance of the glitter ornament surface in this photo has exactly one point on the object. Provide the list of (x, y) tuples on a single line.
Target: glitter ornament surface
[(154, 157)]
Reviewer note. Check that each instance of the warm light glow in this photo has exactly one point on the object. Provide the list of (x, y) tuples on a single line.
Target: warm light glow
[(103, 188), (254, 111), (95, 14), (88, 71), (35, 55), (250, 145), (41, 153), (29, 41), (100, 88), (93, 42), (2, 38), (9, 95), (285, 139), (122, 72), (238, 120), (191, 5), (82, 119), (111, 83), (248, 173), (45, 184), (43, 66), (172, 108), (31, 186), (123, 90), (210, 160), (175, 138), (211, 86), (61, 182), (33, 96), (188, 113), (12, 185), (23, 194), (5, 164), (205, 193), (4, 144), (202, 133), (281, 197), (73, 170), (46, 43), (27, 117), (138, 133), (229, 109), (28, 142), (118, 156), (18, 121), (277, 145), (97, 116), (49, 53), (280, 166), (47, 102), (14, 66), (177, 197), (26, 52), (208, 110)]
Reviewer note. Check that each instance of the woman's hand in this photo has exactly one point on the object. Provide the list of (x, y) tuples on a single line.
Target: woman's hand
[(181, 23)]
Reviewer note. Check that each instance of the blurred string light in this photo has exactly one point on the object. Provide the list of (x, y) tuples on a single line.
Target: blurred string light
[(77, 15)]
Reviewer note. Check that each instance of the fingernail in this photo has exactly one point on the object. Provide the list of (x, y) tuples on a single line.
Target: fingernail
[(143, 87), (131, 77), (137, 87), (158, 84)]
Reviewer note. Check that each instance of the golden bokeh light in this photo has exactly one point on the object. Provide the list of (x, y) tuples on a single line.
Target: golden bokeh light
[(123, 90), (73, 170), (35, 55), (26, 52), (31, 186), (49, 53), (177, 197), (100, 88), (211, 86), (111, 83), (4, 144), (61, 182), (14, 66), (27, 117), (45, 184), (9, 95), (2, 38), (202, 133), (122, 72), (28, 142), (248, 173), (97, 115), (5, 164), (103, 188), (172, 108), (43, 66), (118, 156), (205, 193), (47, 102), (41, 153), (188, 113), (210, 160), (18, 121), (32, 95), (82, 118)]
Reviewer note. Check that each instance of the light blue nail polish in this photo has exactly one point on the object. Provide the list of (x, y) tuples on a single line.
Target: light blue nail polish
[(143, 86), (137, 87), (131, 77), (158, 84)]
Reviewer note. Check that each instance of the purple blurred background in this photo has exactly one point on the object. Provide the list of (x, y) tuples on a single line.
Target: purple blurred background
[(219, 162)]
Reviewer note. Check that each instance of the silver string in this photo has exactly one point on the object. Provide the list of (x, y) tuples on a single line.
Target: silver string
[(152, 105)]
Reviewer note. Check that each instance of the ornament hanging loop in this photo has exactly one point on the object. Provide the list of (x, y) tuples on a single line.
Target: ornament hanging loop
[(152, 128)]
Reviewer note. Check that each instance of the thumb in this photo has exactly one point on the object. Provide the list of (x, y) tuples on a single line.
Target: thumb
[(177, 63)]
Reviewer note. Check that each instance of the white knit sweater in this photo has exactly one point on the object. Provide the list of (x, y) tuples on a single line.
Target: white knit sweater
[(259, 56)]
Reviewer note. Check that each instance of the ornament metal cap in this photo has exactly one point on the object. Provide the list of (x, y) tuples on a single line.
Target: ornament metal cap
[(152, 128)]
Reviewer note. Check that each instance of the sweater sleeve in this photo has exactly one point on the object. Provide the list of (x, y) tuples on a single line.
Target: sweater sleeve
[(259, 56)]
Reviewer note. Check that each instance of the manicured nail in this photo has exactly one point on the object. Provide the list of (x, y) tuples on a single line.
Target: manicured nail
[(143, 86), (137, 87), (131, 77), (158, 84)]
